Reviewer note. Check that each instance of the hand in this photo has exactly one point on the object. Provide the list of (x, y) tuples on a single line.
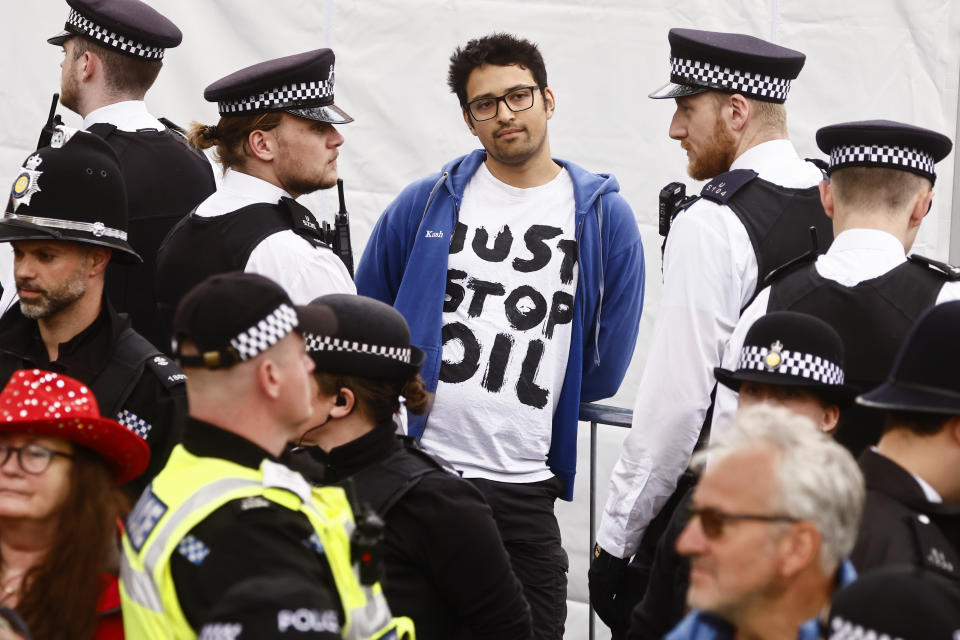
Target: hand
[(603, 580)]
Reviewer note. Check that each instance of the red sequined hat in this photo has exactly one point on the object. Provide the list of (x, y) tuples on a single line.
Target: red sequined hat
[(49, 404)]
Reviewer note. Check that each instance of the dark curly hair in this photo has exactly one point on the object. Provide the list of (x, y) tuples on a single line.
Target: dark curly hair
[(498, 49)]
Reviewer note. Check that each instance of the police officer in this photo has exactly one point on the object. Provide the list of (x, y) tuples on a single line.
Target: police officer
[(912, 512), (113, 52), (277, 141), (880, 185), (67, 219), (224, 509), (446, 566), (752, 216)]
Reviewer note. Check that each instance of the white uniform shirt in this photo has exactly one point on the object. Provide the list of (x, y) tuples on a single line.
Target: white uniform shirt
[(129, 115), (855, 255), (305, 271), (709, 273)]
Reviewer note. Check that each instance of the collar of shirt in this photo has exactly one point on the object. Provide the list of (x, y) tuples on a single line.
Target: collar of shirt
[(239, 190), (370, 448), (82, 357), (860, 254), (206, 440), (777, 161), (928, 490), (129, 115)]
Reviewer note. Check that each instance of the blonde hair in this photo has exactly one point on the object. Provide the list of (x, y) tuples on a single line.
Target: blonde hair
[(230, 136)]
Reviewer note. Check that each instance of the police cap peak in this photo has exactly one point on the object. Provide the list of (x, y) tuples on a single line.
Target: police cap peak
[(884, 143), (230, 318), (301, 84), (729, 62), (131, 27)]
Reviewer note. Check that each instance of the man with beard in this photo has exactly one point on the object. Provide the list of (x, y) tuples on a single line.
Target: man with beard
[(277, 142), (521, 277), (113, 52), (752, 217), (66, 220)]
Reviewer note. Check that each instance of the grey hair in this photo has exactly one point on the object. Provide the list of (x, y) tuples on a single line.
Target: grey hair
[(818, 479)]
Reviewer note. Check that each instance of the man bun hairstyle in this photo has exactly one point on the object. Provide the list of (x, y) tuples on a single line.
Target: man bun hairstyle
[(230, 136), (499, 49)]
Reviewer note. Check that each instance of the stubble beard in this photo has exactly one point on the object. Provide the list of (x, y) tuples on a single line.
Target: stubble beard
[(53, 301), (716, 155)]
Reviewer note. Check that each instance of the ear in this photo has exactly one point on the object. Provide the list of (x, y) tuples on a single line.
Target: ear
[(262, 144), (549, 102), (920, 208), (99, 258), (831, 416), (469, 121), (826, 197), (739, 111), (799, 548), (270, 378), (342, 408)]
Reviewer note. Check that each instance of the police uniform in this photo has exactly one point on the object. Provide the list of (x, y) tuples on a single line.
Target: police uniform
[(783, 349), (133, 382), (250, 224), (224, 510), (165, 177), (747, 221), (864, 275), (445, 564)]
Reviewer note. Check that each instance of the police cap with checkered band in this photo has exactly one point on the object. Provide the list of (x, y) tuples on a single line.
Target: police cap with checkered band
[(301, 85), (359, 336), (71, 190), (885, 144), (729, 62), (791, 349), (231, 318), (130, 27)]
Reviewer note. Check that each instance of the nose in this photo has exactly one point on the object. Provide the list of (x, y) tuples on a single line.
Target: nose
[(336, 138), (678, 130), (22, 268), (504, 114), (691, 540), (9, 466)]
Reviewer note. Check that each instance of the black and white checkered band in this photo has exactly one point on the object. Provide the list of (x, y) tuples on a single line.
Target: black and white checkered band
[(289, 95), (841, 629), (317, 343), (896, 157), (266, 333), (717, 77), (792, 363), (97, 229), (113, 40)]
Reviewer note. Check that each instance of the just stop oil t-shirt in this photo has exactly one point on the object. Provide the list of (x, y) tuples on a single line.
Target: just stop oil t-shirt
[(511, 280)]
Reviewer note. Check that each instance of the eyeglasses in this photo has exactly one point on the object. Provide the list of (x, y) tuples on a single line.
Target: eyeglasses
[(713, 520), (32, 458), (519, 99)]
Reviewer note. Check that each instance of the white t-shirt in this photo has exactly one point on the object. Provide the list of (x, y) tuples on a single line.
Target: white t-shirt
[(511, 281)]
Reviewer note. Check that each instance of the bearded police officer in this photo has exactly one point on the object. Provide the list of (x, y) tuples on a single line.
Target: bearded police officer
[(751, 217), (224, 509), (67, 219), (113, 52), (879, 190), (912, 513), (277, 141)]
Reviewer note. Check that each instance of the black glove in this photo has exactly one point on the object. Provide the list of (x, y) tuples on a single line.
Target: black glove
[(603, 579)]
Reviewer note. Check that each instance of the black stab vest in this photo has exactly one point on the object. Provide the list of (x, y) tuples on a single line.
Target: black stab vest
[(165, 179), (872, 318)]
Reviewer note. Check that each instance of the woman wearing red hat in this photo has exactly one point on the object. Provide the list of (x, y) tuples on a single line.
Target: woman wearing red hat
[(60, 464)]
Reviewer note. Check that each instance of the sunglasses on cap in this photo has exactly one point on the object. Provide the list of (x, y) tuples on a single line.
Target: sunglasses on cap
[(713, 520)]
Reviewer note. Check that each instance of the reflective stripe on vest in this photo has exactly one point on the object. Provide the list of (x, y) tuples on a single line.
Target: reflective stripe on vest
[(151, 608)]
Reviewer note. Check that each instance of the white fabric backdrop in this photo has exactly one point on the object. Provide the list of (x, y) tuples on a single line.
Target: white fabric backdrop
[(894, 59)]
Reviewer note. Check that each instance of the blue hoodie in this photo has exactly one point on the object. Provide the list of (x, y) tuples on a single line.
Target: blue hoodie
[(405, 264)]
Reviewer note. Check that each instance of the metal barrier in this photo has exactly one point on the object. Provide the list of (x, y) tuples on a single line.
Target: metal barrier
[(599, 414)]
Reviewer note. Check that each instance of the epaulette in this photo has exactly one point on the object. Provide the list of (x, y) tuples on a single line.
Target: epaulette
[(724, 186), (166, 370), (173, 127), (951, 272)]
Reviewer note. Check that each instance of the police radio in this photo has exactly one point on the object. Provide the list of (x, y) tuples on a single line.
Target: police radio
[(53, 121), (338, 237), (673, 198)]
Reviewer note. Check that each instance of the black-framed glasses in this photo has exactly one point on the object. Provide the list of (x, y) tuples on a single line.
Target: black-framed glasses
[(519, 99), (33, 458), (713, 520)]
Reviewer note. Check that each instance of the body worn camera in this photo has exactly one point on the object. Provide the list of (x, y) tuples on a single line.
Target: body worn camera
[(673, 198)]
